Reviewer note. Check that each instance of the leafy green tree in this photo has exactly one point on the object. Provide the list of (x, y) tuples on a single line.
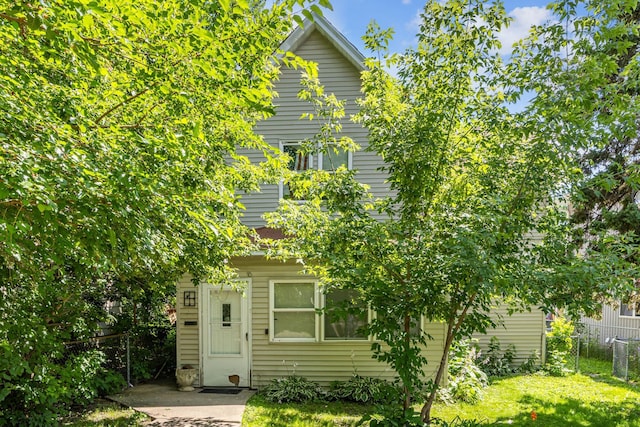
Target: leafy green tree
[(582, 69), (474, 213), (119, 128)]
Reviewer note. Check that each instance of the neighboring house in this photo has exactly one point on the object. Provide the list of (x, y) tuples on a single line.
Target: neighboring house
[(274, 329), (621, 322)]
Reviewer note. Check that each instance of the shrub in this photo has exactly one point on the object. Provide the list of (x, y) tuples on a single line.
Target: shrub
[(293, 389), (365, 390), (498, 363), (556, 364), (559, 338), (559, 344), (466, 381), (532, 364)]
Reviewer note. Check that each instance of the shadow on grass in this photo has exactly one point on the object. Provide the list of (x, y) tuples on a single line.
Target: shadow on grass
[(259, 413), (572, 412)]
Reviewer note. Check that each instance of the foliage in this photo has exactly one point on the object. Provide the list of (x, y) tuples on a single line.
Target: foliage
[(559, 344), (37, 389), (365, 390), (121, 125), (532, 364), (107, 382), (581, 69), (556, 363), (497, 362), (560, 337), (465, 379), (292, 389)]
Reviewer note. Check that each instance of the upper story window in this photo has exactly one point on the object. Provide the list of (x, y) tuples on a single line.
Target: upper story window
[(300, 161), (629, 310)]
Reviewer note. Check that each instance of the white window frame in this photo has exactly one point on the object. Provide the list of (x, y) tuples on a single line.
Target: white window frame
[(315, 161), (273, 310), (342, 340), (635, 315)]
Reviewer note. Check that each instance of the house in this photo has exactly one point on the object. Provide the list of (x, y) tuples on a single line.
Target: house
[(273, 329), (621, 321)]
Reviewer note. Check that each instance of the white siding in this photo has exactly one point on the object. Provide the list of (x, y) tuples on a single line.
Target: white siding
[(339, 76)]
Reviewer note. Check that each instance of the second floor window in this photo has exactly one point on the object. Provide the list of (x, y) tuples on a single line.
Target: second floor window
[(300, 161)]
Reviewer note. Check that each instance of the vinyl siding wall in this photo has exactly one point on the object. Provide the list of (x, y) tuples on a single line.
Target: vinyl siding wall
[(187, 336), (611, 325), (323, 362), (526, 331), (339, 76)]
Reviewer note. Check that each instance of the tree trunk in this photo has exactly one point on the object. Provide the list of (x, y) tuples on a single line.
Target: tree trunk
[(425, 412)]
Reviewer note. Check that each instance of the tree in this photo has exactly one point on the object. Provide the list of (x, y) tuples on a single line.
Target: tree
[(119, 128), (582, 70), (473, 217)]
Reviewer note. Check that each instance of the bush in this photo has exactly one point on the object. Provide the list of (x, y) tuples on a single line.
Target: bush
[(292, 389), (556, 363), (466, 381), (532, 364), (107, 382), (559, 344), (365, 390), (498, 363)]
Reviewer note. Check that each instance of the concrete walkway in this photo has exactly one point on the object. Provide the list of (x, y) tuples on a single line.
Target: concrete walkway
[(169, 407)]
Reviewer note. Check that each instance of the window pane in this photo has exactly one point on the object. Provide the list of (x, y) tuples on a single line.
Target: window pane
[(332, 160), (627, 309), (293, 295), (343, 316), (297, 160), (297, 324)]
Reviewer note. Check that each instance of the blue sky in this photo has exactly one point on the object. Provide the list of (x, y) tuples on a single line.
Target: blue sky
[(351, 17)]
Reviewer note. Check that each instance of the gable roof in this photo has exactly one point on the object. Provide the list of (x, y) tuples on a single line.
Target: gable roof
[(335, 37)]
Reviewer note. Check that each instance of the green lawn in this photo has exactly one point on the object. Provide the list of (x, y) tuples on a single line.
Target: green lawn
[(592, 398)]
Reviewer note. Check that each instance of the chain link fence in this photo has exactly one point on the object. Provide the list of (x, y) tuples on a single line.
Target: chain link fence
[(115, 348), (570, 350), (626, 358), (619, 345)]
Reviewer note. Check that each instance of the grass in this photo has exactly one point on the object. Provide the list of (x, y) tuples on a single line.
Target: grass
[(592, 398), (260, 413), (575, 400), (104, 413)]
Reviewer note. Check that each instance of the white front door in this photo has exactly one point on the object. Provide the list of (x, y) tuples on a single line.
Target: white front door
[(225, 337)]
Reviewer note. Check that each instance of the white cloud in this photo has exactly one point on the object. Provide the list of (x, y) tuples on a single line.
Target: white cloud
[(523, 19), (406, 1)]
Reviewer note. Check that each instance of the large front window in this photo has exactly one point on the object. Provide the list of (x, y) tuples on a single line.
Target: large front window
[(295, 313)]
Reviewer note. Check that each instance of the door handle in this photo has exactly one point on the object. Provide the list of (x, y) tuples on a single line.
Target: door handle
[(246, 336)]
